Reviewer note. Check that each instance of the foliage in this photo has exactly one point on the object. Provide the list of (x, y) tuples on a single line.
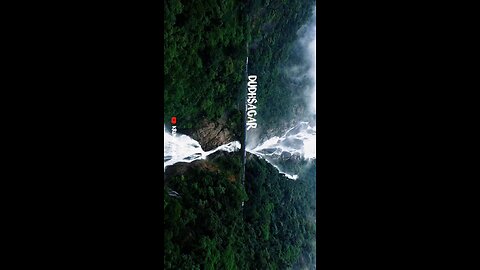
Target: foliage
[(207, 227), (272, 53), (204, 56)]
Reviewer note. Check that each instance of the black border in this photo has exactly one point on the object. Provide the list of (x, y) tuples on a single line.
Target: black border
[(88, 135)]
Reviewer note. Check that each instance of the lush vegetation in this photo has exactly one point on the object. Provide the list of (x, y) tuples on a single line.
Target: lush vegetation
[(205, 52), (202, 227), (280, 216), (272, 53), (207, 227), (204, 58)]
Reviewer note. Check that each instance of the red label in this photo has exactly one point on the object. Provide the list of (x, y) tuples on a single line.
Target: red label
[(174, 120)]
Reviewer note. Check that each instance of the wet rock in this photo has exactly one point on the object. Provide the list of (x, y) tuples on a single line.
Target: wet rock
[(286, 155), (213, 134)]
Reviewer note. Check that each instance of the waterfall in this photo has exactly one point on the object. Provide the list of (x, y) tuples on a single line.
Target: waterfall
[(182, 148)]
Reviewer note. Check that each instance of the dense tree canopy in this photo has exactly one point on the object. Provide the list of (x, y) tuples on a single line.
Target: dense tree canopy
[(207, 227), (273, 51), (204, 59), (205, 47)]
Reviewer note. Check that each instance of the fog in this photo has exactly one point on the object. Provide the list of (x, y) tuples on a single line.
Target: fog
[(300, 140)]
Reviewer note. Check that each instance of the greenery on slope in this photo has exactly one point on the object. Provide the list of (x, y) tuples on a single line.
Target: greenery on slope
[(205, 51), (272, 52), (207, 227)]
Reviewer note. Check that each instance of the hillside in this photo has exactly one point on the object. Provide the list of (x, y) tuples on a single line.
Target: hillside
[(206, 226)]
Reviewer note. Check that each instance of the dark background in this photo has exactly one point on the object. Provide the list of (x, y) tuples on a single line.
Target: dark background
[(83, 97)]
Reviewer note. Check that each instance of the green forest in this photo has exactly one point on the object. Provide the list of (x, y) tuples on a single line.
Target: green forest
[(204, 59), (205, 48), (272, 51), (207, 227)]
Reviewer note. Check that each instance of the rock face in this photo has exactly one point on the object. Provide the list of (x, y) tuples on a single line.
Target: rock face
[(213, 134), (184, 168), (210, 164)]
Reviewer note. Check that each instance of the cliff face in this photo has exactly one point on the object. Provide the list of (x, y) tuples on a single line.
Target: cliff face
[(219, 163), (185, 168), (213, 134)]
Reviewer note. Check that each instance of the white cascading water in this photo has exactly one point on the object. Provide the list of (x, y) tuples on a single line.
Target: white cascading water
[(298, 141), (181, 148)]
